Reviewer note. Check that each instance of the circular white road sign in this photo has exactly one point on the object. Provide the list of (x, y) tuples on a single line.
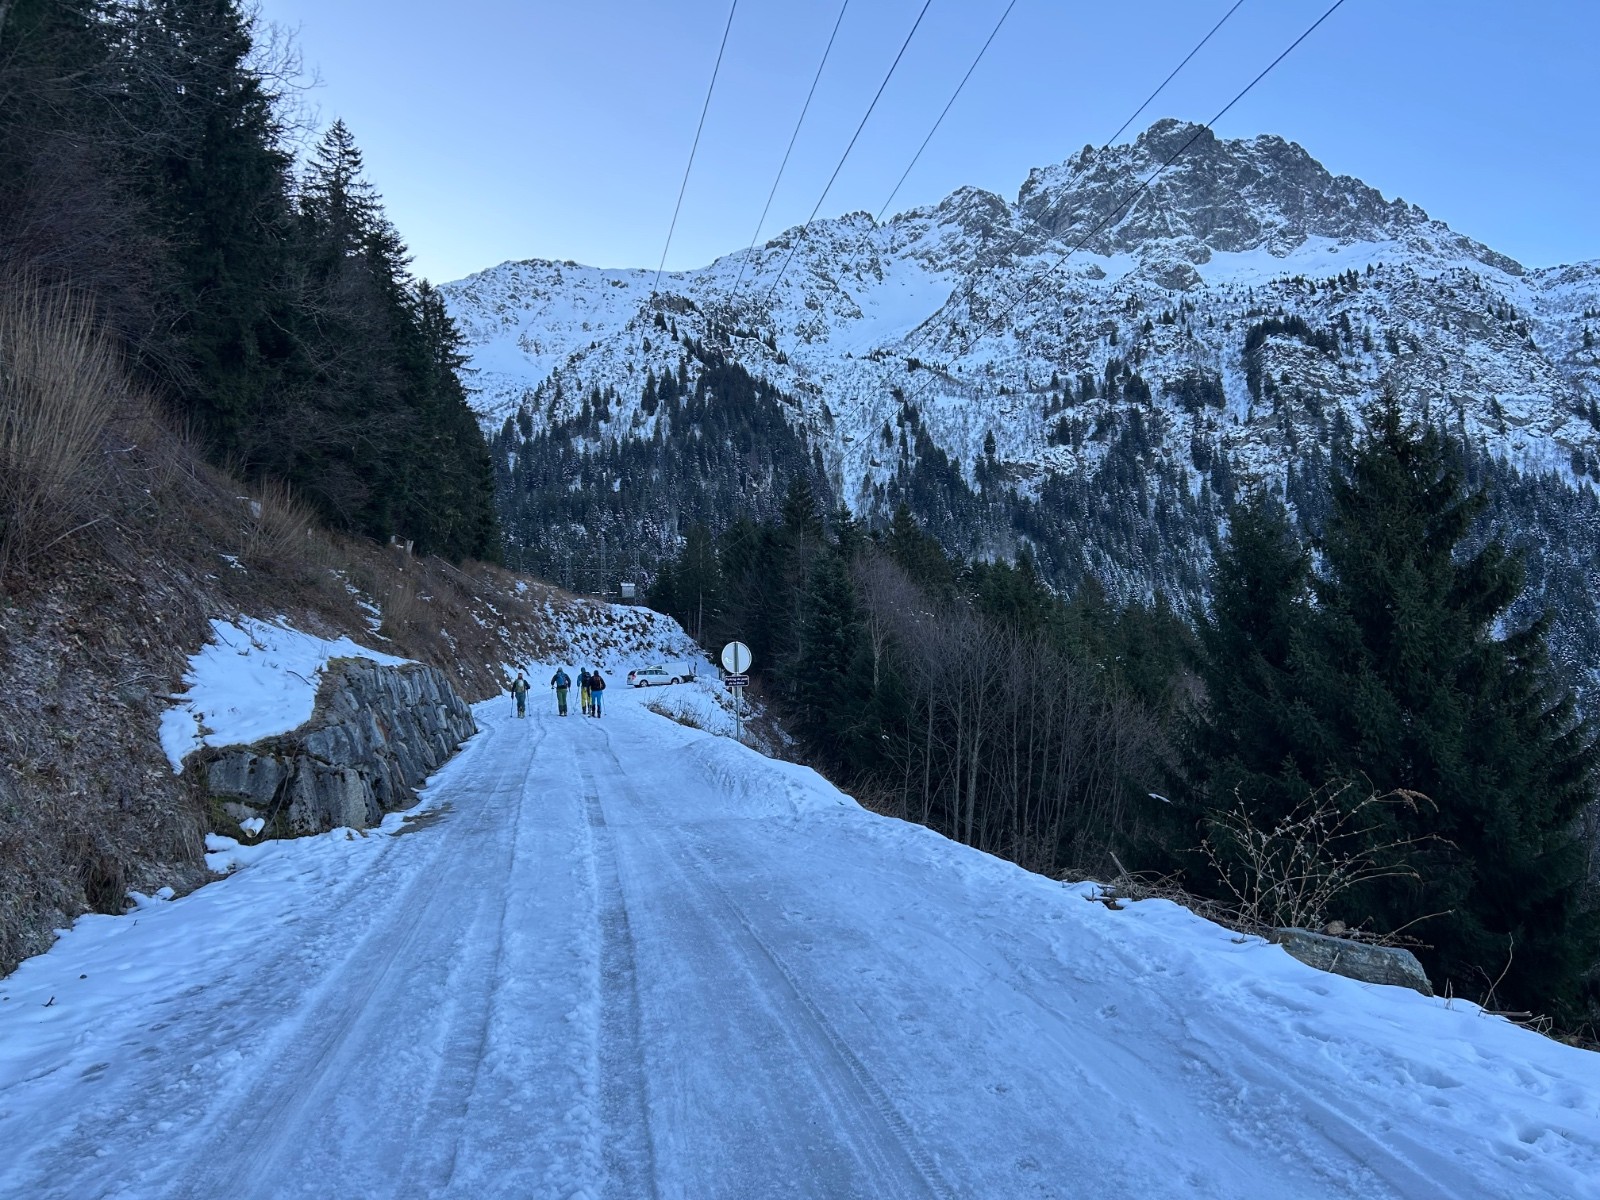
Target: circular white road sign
[(736, 658)]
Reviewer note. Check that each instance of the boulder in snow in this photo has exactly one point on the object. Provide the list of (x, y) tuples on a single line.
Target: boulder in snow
[(1392, 965)]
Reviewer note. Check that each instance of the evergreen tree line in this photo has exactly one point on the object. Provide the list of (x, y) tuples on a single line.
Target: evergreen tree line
[(598, 497), (588, 501), (1382, 653), (146, 161), (968, 697)]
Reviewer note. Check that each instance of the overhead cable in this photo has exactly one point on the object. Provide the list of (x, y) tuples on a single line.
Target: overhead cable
[(1171, 75), (951, 101), (800, 237), (1201, 43), (1123, 207), (697, 130), (804, 108)]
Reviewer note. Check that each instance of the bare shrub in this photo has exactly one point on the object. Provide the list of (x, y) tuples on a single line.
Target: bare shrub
[(60, 383), (1293, 873)]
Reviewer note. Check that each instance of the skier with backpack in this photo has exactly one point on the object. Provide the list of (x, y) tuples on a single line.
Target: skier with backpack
[(519, 689), (597, 689), (583, 691), (561, 681)]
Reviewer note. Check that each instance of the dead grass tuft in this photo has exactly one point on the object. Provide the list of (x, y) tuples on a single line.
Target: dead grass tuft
[(674, 712), (279, 526), (60, 382)]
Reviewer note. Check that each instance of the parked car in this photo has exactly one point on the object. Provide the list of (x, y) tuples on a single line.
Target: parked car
[(650, 676)]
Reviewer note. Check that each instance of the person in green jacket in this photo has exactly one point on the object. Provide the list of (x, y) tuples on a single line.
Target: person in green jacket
[(519, 689), (561, 681)]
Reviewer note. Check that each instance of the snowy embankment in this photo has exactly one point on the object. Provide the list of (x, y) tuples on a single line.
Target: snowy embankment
[(627, 958), (254, 679), (616, 638)]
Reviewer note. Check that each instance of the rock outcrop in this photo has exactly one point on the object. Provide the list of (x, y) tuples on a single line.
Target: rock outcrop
[(376, 734), (1391, 965)]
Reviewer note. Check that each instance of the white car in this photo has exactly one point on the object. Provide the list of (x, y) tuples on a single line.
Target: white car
[(648, 676)]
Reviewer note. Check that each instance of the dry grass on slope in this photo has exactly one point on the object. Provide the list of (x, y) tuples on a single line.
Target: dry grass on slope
[(121, 544)]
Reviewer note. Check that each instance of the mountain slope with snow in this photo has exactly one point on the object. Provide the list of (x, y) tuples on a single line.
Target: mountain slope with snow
[(1233, 232), (625, 958), (1225, 329)]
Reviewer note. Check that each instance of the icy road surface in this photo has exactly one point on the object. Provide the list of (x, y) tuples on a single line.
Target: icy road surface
[(626, 959)]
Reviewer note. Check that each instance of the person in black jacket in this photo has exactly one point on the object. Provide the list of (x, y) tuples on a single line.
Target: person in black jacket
[(597, 689)]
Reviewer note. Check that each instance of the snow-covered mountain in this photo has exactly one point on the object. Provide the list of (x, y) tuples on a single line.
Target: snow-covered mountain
[(1225, 327)]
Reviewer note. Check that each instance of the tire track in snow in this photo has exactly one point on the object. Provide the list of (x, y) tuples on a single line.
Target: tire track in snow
[(264, 1136), (241, 1029), (461, 1065), (629, 1150), (895, 1152)]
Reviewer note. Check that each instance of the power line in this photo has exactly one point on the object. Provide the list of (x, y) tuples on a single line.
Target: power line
[(690, 165), (804, 108), (1174, 74), (952, 100), (1021, 237), (1122, 208), (800, 237)]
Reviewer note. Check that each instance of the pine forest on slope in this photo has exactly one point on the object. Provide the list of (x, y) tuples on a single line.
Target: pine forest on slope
[(1226, 330)]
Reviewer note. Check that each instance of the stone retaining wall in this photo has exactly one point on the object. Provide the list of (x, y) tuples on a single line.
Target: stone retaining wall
[(376, 734)]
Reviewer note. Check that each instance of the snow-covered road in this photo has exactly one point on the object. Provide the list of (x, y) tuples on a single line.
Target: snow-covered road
[(624, 958)]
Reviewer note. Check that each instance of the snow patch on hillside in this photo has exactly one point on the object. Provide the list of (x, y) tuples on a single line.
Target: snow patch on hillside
[(254, 679)]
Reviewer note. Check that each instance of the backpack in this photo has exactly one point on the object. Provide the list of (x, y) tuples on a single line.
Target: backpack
[(597, 683), (562, 680)]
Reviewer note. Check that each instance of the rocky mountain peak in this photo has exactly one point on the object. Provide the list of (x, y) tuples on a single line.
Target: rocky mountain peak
[(1227, 195)]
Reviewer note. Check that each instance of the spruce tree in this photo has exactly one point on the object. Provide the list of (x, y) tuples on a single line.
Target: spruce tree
[(1247, 735), (698, 580), (1412, 688), (825, 702), (211, 160), (449, 496)]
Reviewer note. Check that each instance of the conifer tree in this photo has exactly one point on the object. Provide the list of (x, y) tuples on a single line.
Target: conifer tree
[(698, 582), (1247, 736), (143, 161), (210, 157), (801, 518), (1412, 688), (825, 702)]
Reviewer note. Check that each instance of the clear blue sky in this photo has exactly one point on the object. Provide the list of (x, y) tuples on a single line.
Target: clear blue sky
[(499, 130)]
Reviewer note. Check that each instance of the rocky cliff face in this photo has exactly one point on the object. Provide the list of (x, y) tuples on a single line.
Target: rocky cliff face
[(378, 732), (1226, 197)]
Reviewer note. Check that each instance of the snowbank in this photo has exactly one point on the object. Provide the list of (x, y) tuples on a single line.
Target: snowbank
[(253, 680)]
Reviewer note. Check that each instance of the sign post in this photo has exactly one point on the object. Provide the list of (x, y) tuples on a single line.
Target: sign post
[(736, 661)]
